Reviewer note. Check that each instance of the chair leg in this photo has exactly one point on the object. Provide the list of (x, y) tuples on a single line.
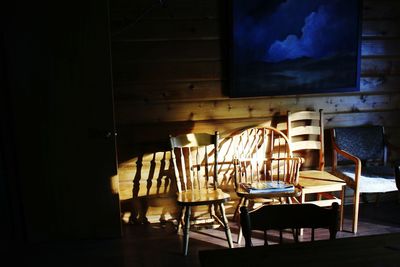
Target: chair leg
[(236, 213), (226, 224), (186, 230), (240, 234), (211, 209), (332, 233), (265, 238), (179, 219), (342, 197), (296, 233), (302, 201), (355, 211)]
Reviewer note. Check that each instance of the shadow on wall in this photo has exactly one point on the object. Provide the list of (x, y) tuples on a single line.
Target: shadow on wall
[(147, 182), (152, 186)]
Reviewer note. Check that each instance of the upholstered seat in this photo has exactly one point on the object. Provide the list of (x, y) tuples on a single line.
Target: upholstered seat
[(373, 179)]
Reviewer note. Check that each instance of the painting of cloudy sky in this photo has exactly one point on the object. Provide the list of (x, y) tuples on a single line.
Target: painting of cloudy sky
[(294, 46)]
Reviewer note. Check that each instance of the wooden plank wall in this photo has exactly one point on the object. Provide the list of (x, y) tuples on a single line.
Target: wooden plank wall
[(169, 68)]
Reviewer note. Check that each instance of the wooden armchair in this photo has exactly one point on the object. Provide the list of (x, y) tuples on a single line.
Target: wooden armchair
[(289, 216), (263, 158), (360, 158)]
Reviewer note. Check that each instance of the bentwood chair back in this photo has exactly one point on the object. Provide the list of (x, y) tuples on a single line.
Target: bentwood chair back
[(195, 162)]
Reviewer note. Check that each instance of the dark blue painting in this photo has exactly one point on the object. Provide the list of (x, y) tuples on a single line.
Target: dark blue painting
[(291, 47)]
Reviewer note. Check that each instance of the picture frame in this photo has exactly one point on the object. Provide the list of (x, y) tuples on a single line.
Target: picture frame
[(292, 47)]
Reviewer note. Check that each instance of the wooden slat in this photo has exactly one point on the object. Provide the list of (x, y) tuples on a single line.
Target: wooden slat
[(167, 29), (381, 9), (168, 71), (300, 145), (212, 90), (128, 54), (169, 91), (383, 47), (158, 91), (388, 118), (302, 130), (151, 133), (381, 28), (304, 115), (193, 90), (209, 28), (380, 66), (380, 84), (251, 108), (177, 9)]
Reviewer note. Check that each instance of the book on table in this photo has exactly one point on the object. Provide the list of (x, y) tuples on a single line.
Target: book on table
[(267, 187)]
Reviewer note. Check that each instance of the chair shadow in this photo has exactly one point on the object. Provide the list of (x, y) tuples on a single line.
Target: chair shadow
[(152, 186)]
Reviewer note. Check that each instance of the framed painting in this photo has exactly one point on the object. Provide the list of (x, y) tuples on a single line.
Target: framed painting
[(291, 47)]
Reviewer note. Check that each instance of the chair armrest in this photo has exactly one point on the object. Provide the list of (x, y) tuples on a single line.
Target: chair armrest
[(348, 156)]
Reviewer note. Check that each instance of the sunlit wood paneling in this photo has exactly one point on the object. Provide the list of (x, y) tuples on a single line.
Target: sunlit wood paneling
[(170, 76), (253, 107)]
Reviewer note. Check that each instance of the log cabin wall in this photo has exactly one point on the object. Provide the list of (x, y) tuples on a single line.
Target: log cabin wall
[(169, 67)]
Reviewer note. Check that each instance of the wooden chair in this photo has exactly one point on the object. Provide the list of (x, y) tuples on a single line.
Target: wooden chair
[(305, 130), (263, 155), (289, 216), (360, 158), (194, 159)]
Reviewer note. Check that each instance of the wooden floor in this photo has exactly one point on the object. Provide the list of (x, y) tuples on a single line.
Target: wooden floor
[(159, 245)]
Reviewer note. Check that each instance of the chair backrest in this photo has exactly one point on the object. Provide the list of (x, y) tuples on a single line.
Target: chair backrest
[(365, 142), (194, 158), (264, 154), (289, 216), (281, 170), (305, 130), (262, 142)]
